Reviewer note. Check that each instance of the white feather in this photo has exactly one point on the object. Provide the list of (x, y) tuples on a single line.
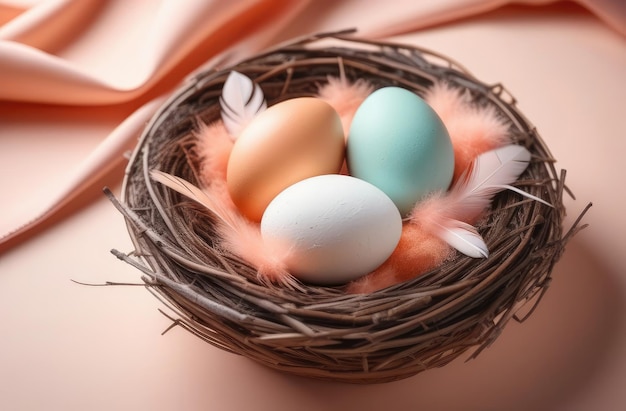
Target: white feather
[(451, 215), (524, 193), (464, 237), (241, 101), (490, 173)]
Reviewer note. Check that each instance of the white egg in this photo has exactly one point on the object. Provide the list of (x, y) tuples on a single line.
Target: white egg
[(339, 228)]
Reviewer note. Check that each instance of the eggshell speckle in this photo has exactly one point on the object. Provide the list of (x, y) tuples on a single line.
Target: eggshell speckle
[(398, 143), (339, 228), (288, 142)]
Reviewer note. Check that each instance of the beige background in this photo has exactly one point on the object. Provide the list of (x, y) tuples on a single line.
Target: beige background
[(66, 346)]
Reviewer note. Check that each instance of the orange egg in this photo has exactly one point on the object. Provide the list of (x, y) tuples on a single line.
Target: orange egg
[(288, 142)]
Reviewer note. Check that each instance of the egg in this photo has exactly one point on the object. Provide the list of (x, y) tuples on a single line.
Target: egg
[(399, 144), (338, 227), (290, 141)]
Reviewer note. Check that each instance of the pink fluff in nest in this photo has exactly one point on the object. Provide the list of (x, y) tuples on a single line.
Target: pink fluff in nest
[(213, 144), (243, 238), (238, 235), (473, 129), (420, 249), (417, 252), (345, 97)]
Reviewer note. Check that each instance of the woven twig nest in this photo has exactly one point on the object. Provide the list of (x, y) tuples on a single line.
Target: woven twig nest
[(323, 332)]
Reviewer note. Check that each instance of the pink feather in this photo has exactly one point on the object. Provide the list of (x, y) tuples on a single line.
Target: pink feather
[(213, 144), (473, 129), (237, 234), (345, 97), (418, 251), (241, 101)]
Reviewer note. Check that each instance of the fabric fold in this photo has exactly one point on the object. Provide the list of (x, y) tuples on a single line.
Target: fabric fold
[(106, 156), (39, 77), (176, 34), (47, 23), (88, 53)]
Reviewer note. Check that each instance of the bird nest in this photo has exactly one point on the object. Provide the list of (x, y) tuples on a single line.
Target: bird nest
[(323, 332)]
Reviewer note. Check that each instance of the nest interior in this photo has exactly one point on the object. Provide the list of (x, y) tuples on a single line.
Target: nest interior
[(322, 332)]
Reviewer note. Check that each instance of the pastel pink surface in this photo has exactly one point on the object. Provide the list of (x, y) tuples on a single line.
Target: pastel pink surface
[(67, 346)]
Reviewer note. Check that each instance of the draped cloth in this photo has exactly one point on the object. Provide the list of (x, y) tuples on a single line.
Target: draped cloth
[(103, 69)]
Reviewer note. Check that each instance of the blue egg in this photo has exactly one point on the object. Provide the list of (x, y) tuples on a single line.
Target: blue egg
[(399, 144)]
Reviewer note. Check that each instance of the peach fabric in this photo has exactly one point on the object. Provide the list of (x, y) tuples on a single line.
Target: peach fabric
[(94, 53), (80, 78)]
